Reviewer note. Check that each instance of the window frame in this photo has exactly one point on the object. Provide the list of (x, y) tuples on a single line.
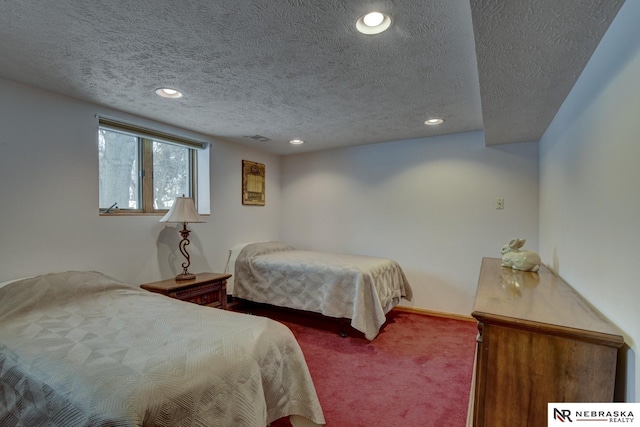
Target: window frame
[(145, 139)]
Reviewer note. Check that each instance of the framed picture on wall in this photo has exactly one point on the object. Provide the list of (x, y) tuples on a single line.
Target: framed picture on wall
[(253, 183)]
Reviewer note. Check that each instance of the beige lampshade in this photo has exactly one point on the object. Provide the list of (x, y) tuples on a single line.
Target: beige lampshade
[(183, 210)]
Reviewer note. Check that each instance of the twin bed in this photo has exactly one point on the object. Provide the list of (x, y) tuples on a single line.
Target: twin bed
[(362, 289), (81, 348)]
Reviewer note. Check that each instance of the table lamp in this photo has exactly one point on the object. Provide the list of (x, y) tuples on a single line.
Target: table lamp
[(184, 211)]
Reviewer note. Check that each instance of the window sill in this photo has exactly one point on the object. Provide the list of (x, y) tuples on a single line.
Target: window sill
[(129, 213)]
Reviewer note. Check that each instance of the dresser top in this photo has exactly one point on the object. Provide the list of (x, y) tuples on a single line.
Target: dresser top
[(539, 300)]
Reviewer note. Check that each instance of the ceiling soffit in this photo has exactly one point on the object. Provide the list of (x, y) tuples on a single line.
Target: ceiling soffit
[(529, 56)]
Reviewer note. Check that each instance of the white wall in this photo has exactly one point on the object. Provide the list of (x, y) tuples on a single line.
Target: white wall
[(429, 203), (589, 184), (49, 198)]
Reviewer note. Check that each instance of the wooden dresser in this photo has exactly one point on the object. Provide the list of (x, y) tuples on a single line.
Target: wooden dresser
[(539, 341)]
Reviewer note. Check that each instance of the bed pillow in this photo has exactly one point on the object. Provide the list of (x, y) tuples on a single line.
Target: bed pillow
[(231, 262), (8, 282)]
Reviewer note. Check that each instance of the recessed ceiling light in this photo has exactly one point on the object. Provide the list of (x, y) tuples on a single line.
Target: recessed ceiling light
[(166, 92), (373, 23), (434, 121), (373, 19), (296, 141)]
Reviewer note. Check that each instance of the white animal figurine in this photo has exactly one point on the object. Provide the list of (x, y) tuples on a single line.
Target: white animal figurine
[(513, 257)]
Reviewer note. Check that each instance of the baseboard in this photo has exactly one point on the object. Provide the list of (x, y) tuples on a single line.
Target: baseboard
[(434, 313)]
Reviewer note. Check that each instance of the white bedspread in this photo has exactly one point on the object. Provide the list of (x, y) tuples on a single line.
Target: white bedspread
[(80, 348), (359, 288)]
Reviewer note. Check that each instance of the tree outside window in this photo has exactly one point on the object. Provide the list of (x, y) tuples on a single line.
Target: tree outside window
[(140, 174)]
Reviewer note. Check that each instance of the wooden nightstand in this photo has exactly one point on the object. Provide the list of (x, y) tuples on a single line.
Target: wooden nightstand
[(206, 289)]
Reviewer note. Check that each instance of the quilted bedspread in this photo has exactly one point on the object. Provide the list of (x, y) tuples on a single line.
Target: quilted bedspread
[(359, 288), (82, 349)]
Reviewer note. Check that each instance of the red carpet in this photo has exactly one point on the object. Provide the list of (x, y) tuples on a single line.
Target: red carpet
[(417, 372)]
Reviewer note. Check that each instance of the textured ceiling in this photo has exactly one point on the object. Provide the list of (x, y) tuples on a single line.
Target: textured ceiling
[(530, 53), (299, 69)]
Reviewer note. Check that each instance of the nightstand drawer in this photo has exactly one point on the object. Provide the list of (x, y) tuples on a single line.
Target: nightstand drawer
[(204, 295)]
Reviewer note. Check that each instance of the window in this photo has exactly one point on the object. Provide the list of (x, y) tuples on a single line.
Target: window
[(143, 171)]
